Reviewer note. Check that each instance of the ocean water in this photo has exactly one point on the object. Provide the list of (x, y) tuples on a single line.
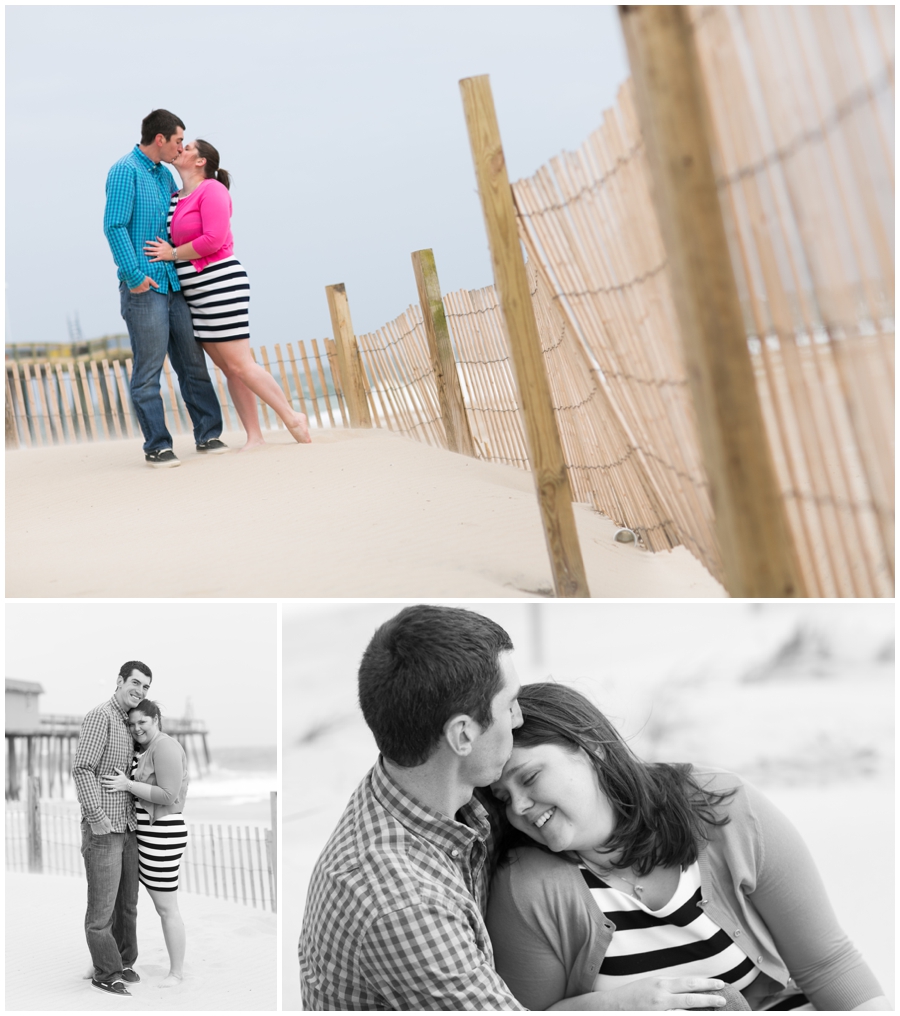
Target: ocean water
[(238, 788)]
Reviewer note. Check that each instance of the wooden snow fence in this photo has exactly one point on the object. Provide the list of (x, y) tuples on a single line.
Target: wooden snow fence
[(801, 107), (228, 862), (62, 402), (802, 153)]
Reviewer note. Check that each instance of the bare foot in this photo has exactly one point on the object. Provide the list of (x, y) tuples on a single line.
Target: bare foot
[(170, 981), (253, 443), (300, 430)]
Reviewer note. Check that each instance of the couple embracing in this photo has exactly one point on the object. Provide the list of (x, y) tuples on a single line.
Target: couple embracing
[(183, 292), (132, 780), (509, 851)]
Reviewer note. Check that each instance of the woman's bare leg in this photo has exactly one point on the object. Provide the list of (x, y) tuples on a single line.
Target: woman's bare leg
[(244, 400), (166, 904), (237, 361)]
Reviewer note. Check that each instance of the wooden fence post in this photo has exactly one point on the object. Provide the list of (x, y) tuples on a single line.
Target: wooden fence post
[(35, 854), (758, 551), (450, 397), (273, 801), (544, 444), (12, 436), (348, 356)]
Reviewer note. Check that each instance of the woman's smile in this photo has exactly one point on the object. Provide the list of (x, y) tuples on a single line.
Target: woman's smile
[(580, 817), (545, 818)]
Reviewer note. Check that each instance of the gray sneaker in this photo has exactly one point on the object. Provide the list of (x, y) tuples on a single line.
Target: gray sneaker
[(214, 446), (162, 458)]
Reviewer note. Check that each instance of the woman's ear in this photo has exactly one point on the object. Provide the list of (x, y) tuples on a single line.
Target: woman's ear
[(459, 733)]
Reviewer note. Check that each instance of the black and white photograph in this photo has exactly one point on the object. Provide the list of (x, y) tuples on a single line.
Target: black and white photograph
[(141, 806), (610, 806)]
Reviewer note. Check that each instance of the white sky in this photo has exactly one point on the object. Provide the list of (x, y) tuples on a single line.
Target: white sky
[(223, 656), (342, 127)]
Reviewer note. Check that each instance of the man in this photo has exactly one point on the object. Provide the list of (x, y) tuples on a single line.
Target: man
[(394, 913), (108, 833), (138, 192)]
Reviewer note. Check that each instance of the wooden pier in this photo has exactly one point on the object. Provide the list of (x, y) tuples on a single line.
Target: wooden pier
[(47, 751)]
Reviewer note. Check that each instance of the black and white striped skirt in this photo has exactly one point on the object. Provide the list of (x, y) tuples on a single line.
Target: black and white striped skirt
[(160, 847), (218, 298)]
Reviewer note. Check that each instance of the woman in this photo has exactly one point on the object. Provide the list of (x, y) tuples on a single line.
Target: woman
[(159, 784), (216, 287), (651, 883)]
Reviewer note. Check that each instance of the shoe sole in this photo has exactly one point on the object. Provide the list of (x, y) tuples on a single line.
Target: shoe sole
[(115, 994), (163, 465), (213, 451)]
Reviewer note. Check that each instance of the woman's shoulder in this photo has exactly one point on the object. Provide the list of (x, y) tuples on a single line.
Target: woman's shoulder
[(716, 780), (532, 870), (165, 744), (214, 189)]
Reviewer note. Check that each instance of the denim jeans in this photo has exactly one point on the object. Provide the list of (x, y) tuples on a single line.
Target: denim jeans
[(159, 323), (110, 924)]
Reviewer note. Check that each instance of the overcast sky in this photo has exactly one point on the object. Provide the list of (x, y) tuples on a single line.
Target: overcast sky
[(221, 656), (342, 127)]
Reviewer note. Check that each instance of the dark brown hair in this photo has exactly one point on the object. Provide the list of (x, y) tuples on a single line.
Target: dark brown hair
[(159, 121), (662, 814), (148, 708), (211, 170), (422, 667), (126, 669)]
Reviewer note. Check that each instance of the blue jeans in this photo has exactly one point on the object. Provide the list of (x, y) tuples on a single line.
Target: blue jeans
[(159, 323), (110, 924)]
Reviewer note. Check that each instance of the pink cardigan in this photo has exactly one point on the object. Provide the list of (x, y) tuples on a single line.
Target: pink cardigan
[(203, 218)]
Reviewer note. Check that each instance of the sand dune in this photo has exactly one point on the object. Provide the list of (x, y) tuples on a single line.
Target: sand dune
[(357, 513)]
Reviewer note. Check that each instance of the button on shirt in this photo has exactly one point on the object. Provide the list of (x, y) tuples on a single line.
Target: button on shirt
[(138, 191), (104, 745), (394, 914)]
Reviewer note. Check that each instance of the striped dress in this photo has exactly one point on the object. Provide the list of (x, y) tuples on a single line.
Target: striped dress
[(678, 940), (160, 847), (218, 297)]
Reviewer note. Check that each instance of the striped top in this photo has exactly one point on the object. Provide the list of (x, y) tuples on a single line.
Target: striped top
[(677, 940)]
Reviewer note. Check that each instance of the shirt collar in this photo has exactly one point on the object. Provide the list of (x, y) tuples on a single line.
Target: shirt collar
[(115, 704), (146, 161), (446, 834)]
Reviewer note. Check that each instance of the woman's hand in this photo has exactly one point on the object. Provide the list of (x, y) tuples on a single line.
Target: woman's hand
[(652, 993), (119, 782), (160, 250)]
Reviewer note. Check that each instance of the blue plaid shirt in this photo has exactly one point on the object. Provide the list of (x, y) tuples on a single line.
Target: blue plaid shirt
[(138, 191)]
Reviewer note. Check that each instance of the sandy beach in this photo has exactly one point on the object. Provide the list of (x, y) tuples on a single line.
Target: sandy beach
[(230, 962), (356, 513)]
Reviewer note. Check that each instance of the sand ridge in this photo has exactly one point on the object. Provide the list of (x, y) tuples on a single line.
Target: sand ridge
[(358, 513)]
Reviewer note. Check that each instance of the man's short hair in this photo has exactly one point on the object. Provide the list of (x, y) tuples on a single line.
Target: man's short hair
[(422, 667), (126, 669), (159, 121)]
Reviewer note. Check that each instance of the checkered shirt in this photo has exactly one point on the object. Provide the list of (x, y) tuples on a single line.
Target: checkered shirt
[(104, 744), (393, 917), (138, 191)]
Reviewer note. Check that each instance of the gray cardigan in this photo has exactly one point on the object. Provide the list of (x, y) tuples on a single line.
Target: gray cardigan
[(163, 767), (759, 884)]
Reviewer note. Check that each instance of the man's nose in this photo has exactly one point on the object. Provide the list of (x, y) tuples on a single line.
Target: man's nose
[(517, 716)]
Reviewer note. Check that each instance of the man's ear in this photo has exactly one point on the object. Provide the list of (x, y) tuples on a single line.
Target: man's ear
[(460, 732)]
